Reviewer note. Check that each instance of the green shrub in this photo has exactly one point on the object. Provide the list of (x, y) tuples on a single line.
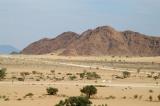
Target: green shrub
[(29, 95), (2, 73), (92, 75), (20, 79), (52, 91), (89, 75), (89, 90), (75, 101), (6, 99), (135, 96), (73, 77), (82, 75), (69, 74), (126, 74), (150, 91), (158, 97), (150, 98), (110, 97), (19, 99)]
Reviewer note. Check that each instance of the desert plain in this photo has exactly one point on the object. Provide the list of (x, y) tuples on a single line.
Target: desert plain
[(28, 76)]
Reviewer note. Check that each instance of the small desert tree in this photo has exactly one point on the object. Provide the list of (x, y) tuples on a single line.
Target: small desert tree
[(89, 90), (75, 101), (52, 91), (158, 97), (155, 77), (138, 70), (24, 74), (150, 98), (2, 73), (126, 74)]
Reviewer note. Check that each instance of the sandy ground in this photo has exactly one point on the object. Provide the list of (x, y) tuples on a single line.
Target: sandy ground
[(138, 84)]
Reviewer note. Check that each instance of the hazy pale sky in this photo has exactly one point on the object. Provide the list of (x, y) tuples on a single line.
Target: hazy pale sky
[(25, 21)]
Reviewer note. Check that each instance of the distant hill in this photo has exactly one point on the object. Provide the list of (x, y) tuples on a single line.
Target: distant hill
[(103, 40), (7, 49)]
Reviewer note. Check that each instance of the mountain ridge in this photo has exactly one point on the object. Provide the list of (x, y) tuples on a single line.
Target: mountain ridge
[(7, 49), (103, 40)]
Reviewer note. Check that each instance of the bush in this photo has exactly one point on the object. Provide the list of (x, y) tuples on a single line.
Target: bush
[(150, 98), (89, 90), (92, 75), (29, 95), (155, 77), (52, 91), (2, 73), (82, 75), (75, 101), (158, 97), (20, 79), (73, 77), (135, 96), (89, 75), (150, 91), (110, 97), (69, 74), (34, 72), (126, 74)]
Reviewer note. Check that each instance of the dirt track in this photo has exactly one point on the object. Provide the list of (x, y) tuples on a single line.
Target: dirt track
[(107, 84)]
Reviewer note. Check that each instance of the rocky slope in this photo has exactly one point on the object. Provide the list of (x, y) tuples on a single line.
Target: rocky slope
[(103, 40)]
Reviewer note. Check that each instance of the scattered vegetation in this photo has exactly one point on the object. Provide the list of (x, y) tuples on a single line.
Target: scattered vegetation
[(89, 75), (5, 98), (52, 91), (110, 97)]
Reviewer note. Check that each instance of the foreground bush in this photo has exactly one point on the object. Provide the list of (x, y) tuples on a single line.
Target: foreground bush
[(158, 97), (89, 90), (126, 74), (52, 91), (2, 73), (75, 101)]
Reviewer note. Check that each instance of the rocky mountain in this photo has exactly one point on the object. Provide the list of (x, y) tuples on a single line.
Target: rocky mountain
[(7, 49), (46, 45), (103, 40)]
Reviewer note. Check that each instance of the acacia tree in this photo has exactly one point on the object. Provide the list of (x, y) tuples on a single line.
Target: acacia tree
[(89, 90)]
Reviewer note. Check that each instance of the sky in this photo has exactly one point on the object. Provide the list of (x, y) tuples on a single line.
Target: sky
[(26, 21)]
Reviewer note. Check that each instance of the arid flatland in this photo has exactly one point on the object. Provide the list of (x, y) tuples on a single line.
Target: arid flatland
[(64, 73)]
